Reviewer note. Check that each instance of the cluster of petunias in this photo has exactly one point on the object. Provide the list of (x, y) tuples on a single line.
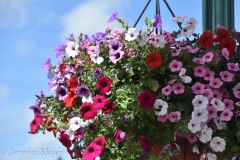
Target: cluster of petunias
[(116, 91)]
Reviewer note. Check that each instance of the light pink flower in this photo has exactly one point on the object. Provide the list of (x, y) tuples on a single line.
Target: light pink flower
[(171, 81), (191, 138), (175, 66), (166, 90), (174, 116), (178, 88), (217, 94), (226, 115), (175, 52), (92, 49), (84, 44), (192, 50), (232, 67), (215, 83), (225, 53), (199, 71), (116, 32), (207, 93), (228, 104), (208, 57), (226, 76), (220, 27), (212, 112), (209, 74), (162, 118), (237, 94), (225, 93), (198, 60), (197, 88), (238, 104)]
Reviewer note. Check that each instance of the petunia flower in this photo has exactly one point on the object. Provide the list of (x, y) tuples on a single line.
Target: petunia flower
[(218, 144), (159, 41), (184, 78), (83, 90), (154, 60), (95, 57), (232, 67), (75, 123), (166, 90), (174, 116), (160, 107), (219, 123), (88, 111), (227, 76), (108, 107), (215, 83), (34, 124), (72, 49), (132, 34), (157, 22), (163, 118), (187, 31), (115, 56), (60, 50), (200, 101), (146, 100), (191, 138), (119, 136), (200, 114), (92, 152), (178, 19), (143, 38), (206, 40), (208, 57), (192, 21), (145, 143), (104, 85), (225, 53), (226, 115), (175, 66), (47, 64), (194, 125), (113, 17), (212, 112), (218, 104), (178, 88), (211, 156), (206, 134)]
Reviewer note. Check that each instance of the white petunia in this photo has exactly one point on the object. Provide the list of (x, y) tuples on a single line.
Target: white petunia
[(187, 31), (178, 19), (194, 126), (206, 134), (200, 101), (72, 48), (219, 123), (218, 144), (75, 123), (236, 87), (132, 34), (95, 57), (195, 149), (160, 42), (216, 103), (89, 99), (143, 38), (184, 78), (85, 123), (192, 22), (160, 107), (211, 156), (200, 114)]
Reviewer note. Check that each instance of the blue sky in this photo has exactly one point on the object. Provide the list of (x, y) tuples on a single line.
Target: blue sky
[(30, 29)]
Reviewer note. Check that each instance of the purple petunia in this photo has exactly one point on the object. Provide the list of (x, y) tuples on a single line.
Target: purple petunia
[(115, 45), (47, 64), (125, 118), (61, 92), (99, 37), (60, 50), (69, 39), (36, 110), (113, 17), (116, 56), (157, 22), (98, 72), (83, 91)]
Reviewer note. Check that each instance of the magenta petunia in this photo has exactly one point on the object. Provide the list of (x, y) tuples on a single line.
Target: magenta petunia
[(232, 67), (100, 141), (119, 136), (208, 57), (197, 88), (145, 143), (166, 90), (34, 124), (65, 140), (226, 115), (108, 107), (87, 110), (212, 112), (147, 100), (227, 76), (199, 71), (175, 66), (99, 101), (163, 118), (229, 104), (104, 85), (92, 151), (178, 88), (215, 83), (174, 116)]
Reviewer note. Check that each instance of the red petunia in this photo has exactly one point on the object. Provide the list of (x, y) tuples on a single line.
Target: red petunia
[(228, 43), (145, 143), (87, 110), (34, 124), (108, 107), (71, 99), (99, 101), (100, 141), (73, 83), (206, 40), (92, 151), (62, 68), (154, 60), (147, 100), (222, 35), (65, 140), (104, 85)]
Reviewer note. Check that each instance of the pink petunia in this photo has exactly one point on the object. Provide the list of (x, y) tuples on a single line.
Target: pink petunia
[(174, 116), (225, 53), (171, 81), (227, 76), (175, 66), (217, 94), (199, 71), (225, 93), (212, 112), (215, 83), (208, 57), (192, 50), (238, 104), (207, 93), (209, 74), (166, 90), (197, 88), (191, 138), (92, 49), (238, 113), (198, 60), (116, 32), (226, 115), (232, 67), (178, 88), (162, 118), (228, 104), (175, 52), (237, 94)]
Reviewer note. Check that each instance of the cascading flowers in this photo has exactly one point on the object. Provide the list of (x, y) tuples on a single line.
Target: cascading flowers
[(116, 93)]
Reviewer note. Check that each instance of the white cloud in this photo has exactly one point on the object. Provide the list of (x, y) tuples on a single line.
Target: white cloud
[(13, 13), (91, 16), (4, 92)]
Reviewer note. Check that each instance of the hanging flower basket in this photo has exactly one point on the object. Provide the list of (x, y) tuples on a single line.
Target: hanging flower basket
[(123, 93)]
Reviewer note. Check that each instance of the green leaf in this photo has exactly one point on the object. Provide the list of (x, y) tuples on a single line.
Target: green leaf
[(235, 149), (238, 135), (153, 84), (123, 105)]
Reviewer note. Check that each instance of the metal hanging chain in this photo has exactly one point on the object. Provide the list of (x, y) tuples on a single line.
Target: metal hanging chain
[(157, 12)]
